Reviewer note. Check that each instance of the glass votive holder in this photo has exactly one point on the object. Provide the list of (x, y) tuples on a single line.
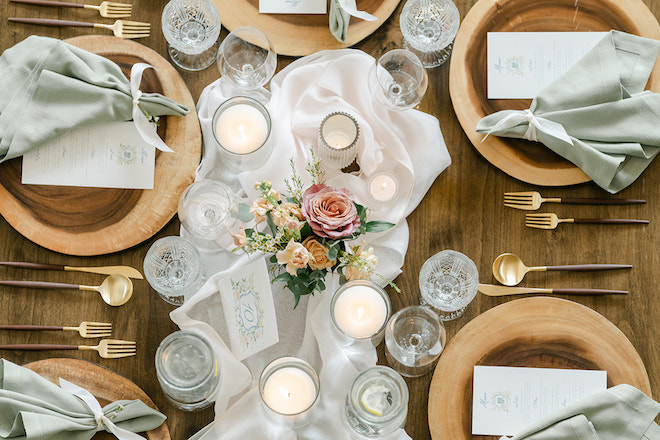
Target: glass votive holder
[(173, 268), (208, 212), (377, 403), (338, 139), (383, 187), (359, 311), (289, 388), (448, 282), (187, 370), (414, 339), (242, 131)]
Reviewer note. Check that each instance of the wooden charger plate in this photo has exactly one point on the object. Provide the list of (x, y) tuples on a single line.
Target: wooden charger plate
[(297, 35), (106, 385), (530, 332), (530, 162), (96, 221)]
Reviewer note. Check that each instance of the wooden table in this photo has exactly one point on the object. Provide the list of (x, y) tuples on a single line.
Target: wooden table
[(463, 211)]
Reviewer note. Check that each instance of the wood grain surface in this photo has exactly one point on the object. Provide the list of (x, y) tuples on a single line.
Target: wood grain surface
[(532, 332), (530, 161), (296, 35), (104, 384), (463, 210), (93, 221)]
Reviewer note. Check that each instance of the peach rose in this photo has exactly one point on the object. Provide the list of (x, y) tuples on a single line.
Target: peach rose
[(362, 267), (330, 212), (319, 253), (295, 256)]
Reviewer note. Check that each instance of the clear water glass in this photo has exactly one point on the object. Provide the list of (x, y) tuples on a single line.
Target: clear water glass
[(429, 28), (191, 28), (187, 370), (448, 282), (208, 212), (414, 339), (173, 268), (338, 140), (376, 404), (398, 80), (247, 61)]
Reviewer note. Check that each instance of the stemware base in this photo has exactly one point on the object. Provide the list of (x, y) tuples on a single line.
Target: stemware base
[(431, 59), (194, 62)]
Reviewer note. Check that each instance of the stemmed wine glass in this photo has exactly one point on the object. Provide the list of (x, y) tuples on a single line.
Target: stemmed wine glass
[(246, 62), (398, 80), (191, 28), (429, 28)]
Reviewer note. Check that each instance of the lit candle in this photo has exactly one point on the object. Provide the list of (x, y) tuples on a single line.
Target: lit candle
[(383, 186), (241, 128), (360, 311), (338, 140), (289, 390)]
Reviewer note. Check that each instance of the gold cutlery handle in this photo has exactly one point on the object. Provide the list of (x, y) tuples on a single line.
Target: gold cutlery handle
[(610, 221), (589, 291), (50, 3), (581, 267), (50, 22), (574, 201)]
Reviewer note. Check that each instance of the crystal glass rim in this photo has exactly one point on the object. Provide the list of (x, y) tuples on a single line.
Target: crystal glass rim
[(353, 142), (196, 185), (455, 24), (383, 79), (267, 47), (468, 261), (208, 6), (235, 100), (396, 378), (213, 369), (377, 288), (434, 316), (284, 362)]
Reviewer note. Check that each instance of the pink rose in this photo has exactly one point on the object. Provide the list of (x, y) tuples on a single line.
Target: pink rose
[(330, 212)]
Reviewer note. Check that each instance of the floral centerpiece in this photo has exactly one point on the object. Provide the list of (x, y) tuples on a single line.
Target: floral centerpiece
[(308, 232)]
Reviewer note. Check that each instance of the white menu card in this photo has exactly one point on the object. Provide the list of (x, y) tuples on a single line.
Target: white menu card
[(112, 155), (293, 7), (521, 64), (507, 399)]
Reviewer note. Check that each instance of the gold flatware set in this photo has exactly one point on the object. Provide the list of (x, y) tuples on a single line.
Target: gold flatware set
[(86, 329), (120, 28), (107, 348)]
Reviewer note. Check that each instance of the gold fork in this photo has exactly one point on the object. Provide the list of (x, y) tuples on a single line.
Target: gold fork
[(551, 221), (532, 200), (106, 9), (107, 348), (121, 28), (86, 329)]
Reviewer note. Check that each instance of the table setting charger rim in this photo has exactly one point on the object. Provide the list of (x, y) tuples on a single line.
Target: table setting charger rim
[(497, 150), (285, 35), (103, 383), (182, 134), (465, 350)]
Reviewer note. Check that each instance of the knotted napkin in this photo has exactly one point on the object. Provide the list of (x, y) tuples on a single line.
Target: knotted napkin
[(48, 86), (340, 16), (597, 115), (32, 408), (619, 413)]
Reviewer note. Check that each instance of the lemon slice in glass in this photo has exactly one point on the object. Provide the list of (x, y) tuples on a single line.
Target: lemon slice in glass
[(376, 399)]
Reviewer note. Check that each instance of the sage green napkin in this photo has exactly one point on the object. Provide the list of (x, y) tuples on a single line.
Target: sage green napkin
[(48, 86), (618, 413), (339, 20), (33, 408), (597, 115)]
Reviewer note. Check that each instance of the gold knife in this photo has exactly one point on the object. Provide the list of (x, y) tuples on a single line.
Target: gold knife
[(493, 290), (103, 270)]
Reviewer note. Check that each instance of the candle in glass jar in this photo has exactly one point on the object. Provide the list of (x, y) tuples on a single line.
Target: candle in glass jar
[(289, 390), (383, 186), (360, 311), (241, 128), (338, 140)]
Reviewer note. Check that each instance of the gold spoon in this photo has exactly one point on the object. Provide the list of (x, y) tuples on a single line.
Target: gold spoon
[(509, 269), (115, 289)]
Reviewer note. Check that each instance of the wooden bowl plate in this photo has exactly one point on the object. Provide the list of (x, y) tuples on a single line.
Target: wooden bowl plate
[(106, 385), (530, 162), (530, 332), (298, 35), (96, 221)]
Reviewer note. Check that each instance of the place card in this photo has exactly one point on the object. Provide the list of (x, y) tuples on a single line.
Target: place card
[(507, 399), (521, 64), (293, 6), (249, 309), (112, 155)]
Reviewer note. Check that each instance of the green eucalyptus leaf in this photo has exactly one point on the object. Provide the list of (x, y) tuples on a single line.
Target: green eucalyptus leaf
[(243, 213), (378, 226)]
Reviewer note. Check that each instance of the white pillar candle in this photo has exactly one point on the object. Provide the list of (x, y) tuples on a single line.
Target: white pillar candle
[(360, 311), (383, 186), (338, 140), (289, 390), (241, 128)]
